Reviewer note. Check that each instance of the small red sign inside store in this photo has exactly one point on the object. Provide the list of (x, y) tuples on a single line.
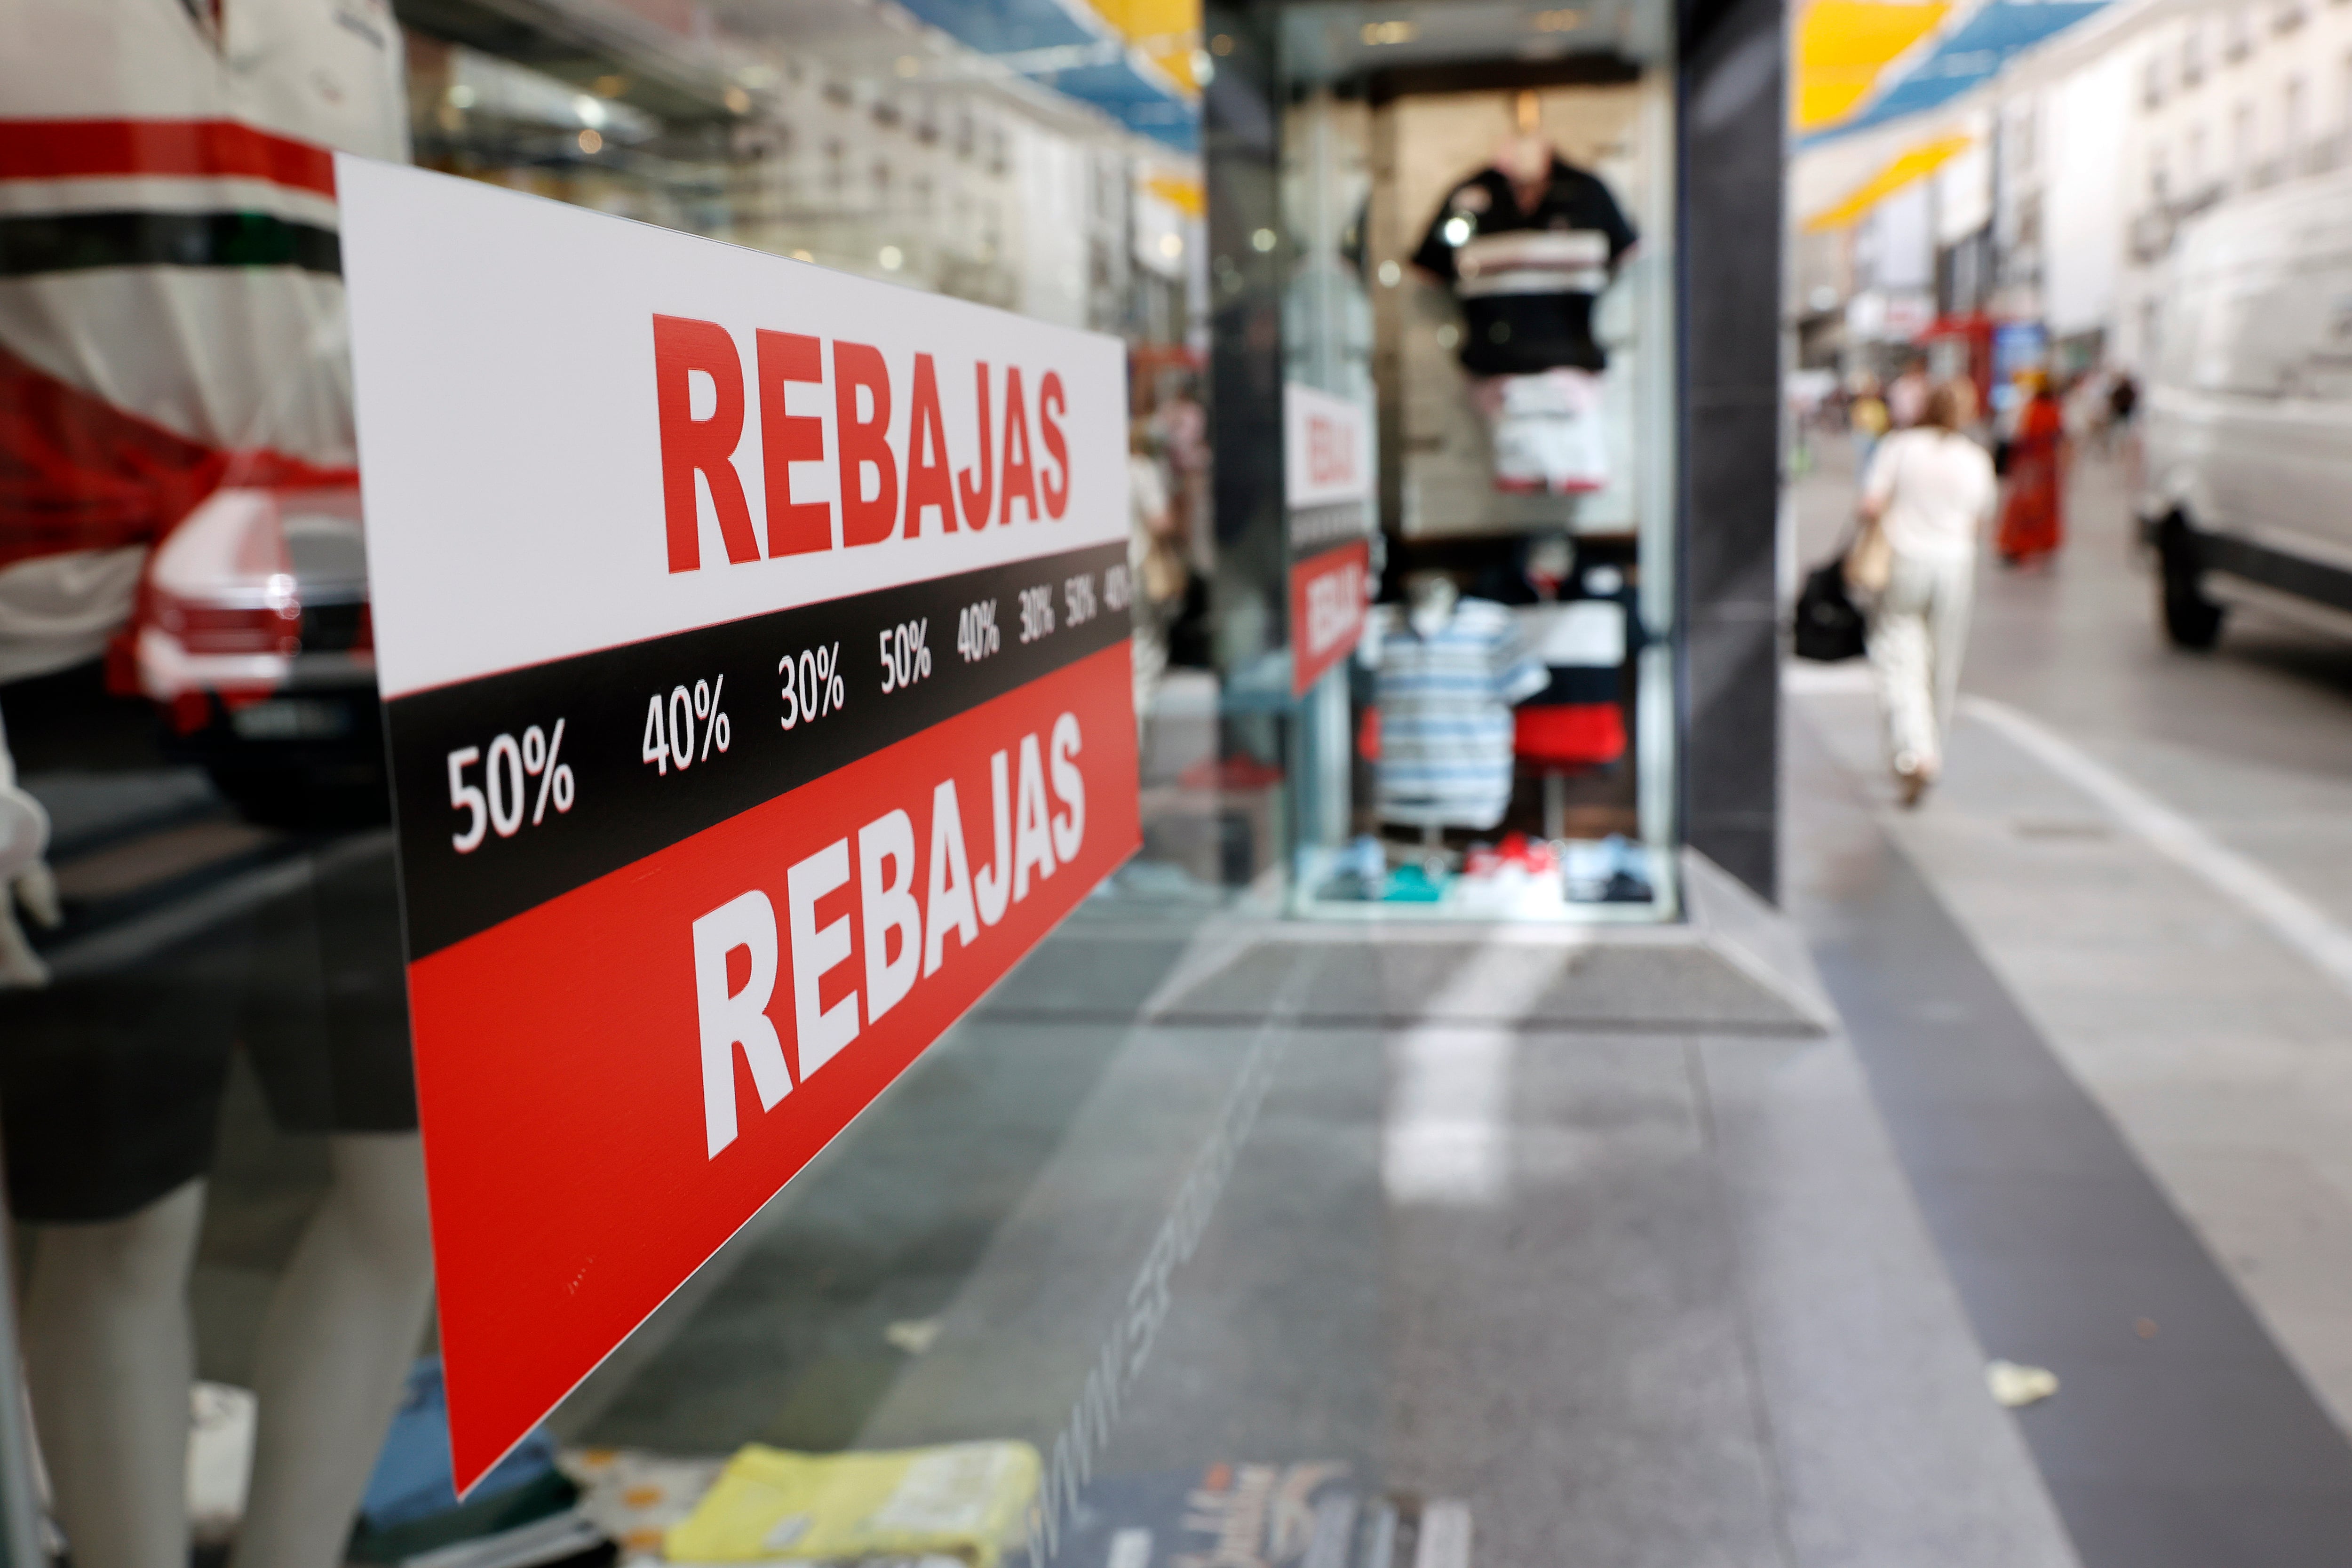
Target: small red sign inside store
[(753, 641), (1328, 599)]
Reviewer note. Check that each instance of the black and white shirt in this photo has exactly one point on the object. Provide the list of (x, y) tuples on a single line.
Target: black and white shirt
[(1526, 277)]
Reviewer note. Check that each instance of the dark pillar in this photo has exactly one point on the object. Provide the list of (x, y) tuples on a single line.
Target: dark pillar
[(1731, 115), (1241, 148)]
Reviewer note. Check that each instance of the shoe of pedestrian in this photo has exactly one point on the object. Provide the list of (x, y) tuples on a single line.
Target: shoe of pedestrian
[(1913, 783)]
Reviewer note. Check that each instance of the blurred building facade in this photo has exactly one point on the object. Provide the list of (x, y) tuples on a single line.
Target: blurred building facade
[(847, 134), (2050, 195)]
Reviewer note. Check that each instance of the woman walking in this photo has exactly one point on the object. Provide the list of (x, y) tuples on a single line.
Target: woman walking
[(1929, 493), (2033, 522)]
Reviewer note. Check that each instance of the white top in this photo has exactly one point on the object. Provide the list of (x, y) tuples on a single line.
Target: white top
[(1936, 490)]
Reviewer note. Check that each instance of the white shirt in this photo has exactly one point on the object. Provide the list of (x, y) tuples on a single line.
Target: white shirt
[(140, 116), (1936, 490)]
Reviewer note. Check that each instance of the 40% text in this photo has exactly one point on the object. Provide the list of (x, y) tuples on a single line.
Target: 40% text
[(671, 726)]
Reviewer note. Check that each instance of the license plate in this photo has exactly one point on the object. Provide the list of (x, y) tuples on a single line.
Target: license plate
[(291, 720)]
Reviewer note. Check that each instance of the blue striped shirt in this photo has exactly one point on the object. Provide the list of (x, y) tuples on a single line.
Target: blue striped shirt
[(1446, 714)]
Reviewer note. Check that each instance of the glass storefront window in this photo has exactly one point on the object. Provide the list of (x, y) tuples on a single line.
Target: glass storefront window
[(1481, 264), (1402, 538), (210, 1127)]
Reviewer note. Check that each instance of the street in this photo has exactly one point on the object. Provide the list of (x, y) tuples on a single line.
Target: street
[(2098, 983)]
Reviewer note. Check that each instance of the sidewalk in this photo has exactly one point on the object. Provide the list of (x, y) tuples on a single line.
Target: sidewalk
[(1598, 1235)]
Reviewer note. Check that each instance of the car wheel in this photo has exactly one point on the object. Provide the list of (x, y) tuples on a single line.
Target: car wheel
[(2191, 620)]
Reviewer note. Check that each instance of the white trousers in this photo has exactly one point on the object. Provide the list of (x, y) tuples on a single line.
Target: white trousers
[(1546, 431), (1918, 630)]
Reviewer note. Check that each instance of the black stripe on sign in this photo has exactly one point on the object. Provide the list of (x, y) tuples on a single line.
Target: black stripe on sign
[(73, 242), (625, 807)]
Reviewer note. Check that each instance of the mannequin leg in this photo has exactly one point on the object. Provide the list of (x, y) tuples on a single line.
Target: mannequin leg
[(342, 1331), (108, 1358)]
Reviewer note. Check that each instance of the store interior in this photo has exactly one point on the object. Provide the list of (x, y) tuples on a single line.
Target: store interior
[(970, 1289), (1524, 493)]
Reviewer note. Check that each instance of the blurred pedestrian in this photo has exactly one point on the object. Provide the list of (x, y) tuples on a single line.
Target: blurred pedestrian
[(2123, 403), (1929, 493), (1156, 567), (1865, 419), (2033, 521), (2123, 398), (1907, 396), (1180, 433)]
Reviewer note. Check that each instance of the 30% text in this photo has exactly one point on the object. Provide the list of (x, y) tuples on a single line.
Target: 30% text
[(672, 726), (496, 804), (813, 685)]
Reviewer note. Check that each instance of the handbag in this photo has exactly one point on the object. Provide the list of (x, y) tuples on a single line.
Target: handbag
[(1869, 559), (1870, 554), (1829, 628)]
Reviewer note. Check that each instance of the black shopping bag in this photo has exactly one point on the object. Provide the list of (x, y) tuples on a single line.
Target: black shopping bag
[(1829, 628)]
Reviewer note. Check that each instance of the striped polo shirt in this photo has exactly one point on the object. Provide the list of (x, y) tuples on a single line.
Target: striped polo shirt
[(1445, 702)]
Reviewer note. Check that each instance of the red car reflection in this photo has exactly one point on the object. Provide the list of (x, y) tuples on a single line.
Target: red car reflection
[(253, 637)]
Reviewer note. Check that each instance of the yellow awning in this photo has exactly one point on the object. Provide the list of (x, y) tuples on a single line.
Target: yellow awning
[(1185, 195), (1167, 31), (1841, 47), (1917, 163)]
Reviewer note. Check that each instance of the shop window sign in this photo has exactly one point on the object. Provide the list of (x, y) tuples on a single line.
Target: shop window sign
[(754, 648)]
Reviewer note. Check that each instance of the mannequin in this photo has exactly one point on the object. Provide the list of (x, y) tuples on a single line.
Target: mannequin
[(1451, 668), (1525, 155), (1524, 246), (1430, 598), (110, 1358), (139, 386)]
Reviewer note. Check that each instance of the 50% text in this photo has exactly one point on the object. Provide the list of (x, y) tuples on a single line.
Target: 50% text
[(813, 685), (905, 656), (671, 726), (496, 804)]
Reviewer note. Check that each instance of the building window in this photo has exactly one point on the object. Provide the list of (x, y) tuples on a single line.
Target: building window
[(2242, 143), (2294, 130), (2237, 35), (2151, 90), (2192, 54), (2196, 170)]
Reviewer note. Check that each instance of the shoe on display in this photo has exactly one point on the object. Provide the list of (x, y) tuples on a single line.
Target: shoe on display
[(1412, 885)]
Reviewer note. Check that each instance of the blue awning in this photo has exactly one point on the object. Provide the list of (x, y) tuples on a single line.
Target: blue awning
[(1076, 54), (1969, 55)]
